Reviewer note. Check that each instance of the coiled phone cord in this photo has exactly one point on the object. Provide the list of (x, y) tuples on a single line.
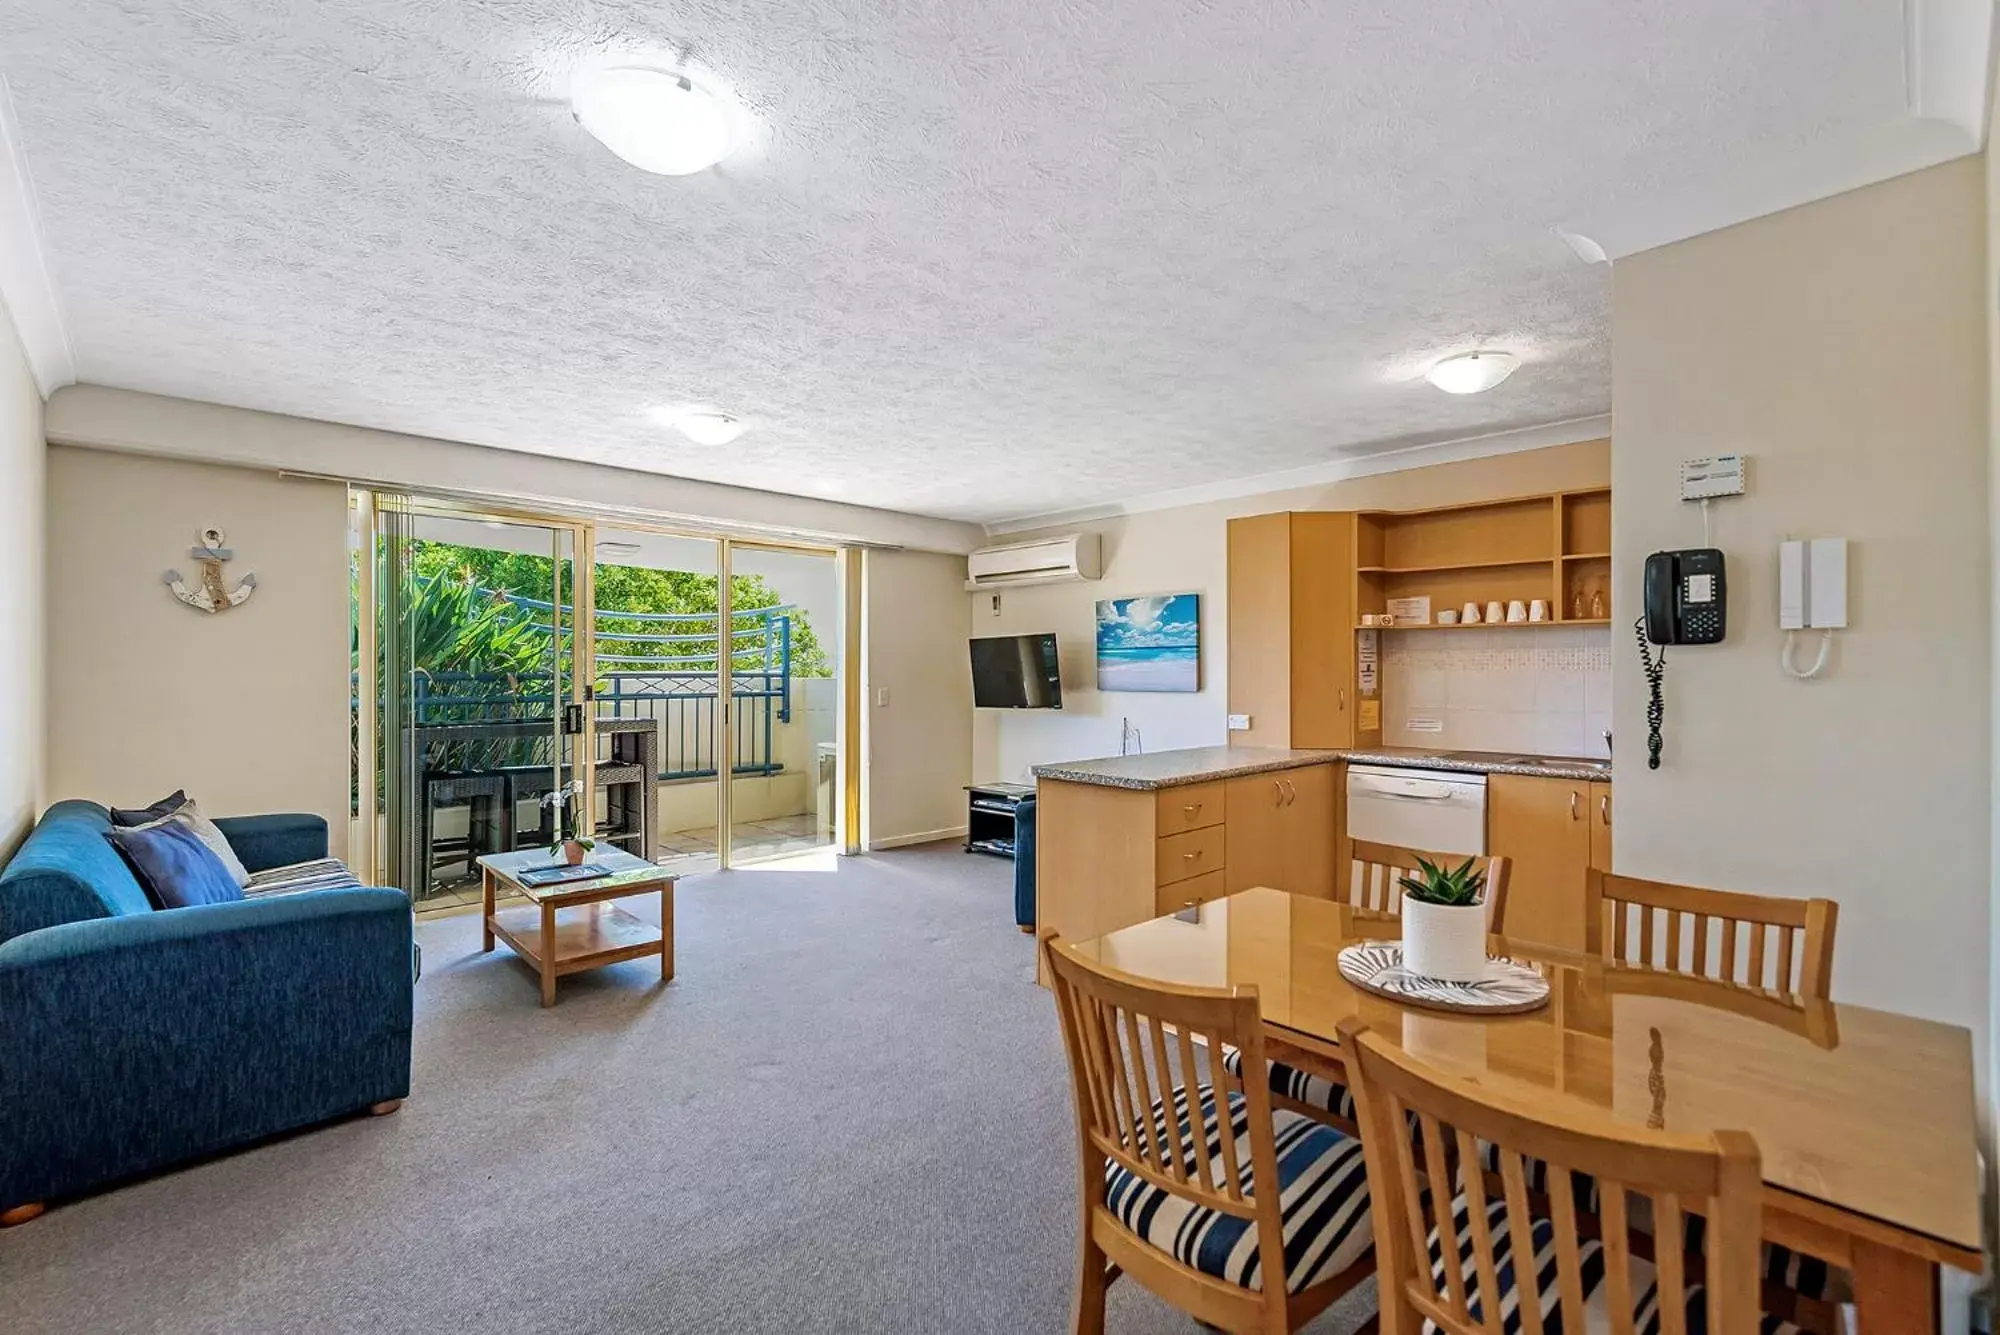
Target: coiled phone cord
[(1656, 707)]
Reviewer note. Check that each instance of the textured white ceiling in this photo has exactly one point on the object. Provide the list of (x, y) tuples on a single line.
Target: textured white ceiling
[(977, 261)]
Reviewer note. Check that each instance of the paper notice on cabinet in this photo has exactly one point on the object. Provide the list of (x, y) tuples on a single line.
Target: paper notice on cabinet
[(1367, 661), (1370, 716)]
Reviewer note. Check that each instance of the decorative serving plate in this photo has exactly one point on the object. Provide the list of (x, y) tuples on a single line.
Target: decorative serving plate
[(1508, 988)]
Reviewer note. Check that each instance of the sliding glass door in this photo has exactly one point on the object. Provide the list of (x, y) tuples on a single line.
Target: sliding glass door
[(478, 692), (690, 687)]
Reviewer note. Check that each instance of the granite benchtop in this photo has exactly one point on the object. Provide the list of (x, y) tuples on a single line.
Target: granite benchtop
[(1203, 764)]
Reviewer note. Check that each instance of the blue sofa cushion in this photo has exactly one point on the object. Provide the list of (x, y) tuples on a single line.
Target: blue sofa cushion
[(152, 811), (174, 865), (66, 872)]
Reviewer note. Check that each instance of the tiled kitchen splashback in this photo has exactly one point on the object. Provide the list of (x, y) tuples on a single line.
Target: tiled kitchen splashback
[(1547, 692)]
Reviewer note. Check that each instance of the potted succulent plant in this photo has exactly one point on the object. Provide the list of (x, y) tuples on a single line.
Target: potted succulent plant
[(1444, 922), (569, 844)]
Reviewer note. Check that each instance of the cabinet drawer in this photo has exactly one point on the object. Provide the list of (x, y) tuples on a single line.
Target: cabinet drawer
[(1196, 890), (1183, 856), (1192, 807)]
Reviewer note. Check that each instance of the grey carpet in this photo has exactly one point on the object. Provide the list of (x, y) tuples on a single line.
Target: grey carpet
[(848, 1113)]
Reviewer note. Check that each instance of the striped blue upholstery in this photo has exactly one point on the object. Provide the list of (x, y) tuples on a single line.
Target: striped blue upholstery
[(1807, 1276), (1322, 1194), (1299, 1086), (319, 874), (1591, 1261)]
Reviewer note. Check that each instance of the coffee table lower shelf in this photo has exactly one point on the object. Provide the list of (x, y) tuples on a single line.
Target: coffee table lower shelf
[(587, 936)]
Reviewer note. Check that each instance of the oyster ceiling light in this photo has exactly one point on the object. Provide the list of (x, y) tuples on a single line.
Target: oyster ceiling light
[(660, 121), (1472, 372), (707, 428)]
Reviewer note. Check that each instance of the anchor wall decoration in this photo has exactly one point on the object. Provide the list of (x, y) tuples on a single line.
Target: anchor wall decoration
[(209, 595)]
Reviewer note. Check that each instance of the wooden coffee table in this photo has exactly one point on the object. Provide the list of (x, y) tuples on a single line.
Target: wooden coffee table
[(572, 925)]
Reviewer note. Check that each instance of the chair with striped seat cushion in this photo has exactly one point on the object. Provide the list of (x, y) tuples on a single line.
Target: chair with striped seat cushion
[(1322, 1196), (1189, 1182), (1448, 1238), (319, 874), (1592, 1281)]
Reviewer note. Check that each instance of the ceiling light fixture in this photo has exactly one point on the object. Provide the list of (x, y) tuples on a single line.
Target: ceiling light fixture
[(660, 121), (709, 428), (1472, 372)]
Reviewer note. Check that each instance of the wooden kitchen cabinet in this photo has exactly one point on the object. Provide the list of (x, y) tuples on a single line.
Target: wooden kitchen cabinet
[(1291, 628), (1600, 827), (1544, 828), (1283, 829)]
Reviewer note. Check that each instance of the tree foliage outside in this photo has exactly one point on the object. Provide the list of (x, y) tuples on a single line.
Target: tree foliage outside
[(464, 617)]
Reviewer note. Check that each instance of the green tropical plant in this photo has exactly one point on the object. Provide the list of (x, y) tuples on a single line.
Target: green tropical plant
[(1459, 887)]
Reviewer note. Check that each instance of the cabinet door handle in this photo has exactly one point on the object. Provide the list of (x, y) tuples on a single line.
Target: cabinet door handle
[(1604, 808), (1291, 792), (1572, 804), (1343, 699), (1190, 807), (1278, 790), (1190, 857)]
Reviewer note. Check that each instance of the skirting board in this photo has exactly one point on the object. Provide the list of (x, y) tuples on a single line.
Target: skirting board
[(920, 837)]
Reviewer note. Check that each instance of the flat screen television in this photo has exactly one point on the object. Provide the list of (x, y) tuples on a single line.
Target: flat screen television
[(1016, 672)]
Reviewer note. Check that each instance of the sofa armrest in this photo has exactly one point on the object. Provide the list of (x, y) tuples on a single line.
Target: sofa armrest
[(264, 842), (136, 1042)]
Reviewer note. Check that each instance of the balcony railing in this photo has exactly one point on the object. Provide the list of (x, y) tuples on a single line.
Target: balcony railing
[(675, 684)]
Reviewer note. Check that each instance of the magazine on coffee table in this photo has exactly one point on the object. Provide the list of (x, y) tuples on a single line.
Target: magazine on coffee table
[(540, 876)]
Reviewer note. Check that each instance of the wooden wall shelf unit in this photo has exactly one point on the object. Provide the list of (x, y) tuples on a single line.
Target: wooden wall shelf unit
[(1555, 547), (1300, 582)]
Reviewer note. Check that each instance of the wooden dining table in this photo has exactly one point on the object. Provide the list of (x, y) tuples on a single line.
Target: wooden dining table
[(1865, 1118)]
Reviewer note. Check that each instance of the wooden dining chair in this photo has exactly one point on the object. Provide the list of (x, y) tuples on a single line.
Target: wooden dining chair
[(1246, 1219), (1779, 948), (1375, 874), (1374, 887), (1459, 1246), (1760, 941)]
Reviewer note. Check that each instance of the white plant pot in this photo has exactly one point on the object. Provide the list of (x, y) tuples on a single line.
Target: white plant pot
[(1446, 942)]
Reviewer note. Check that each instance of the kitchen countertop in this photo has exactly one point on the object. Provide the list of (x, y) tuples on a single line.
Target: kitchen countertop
[(1171, 769), (1202, 764), (1481, 762)]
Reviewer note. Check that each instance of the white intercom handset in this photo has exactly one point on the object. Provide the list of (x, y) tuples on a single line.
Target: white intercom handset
[(1812, 595)]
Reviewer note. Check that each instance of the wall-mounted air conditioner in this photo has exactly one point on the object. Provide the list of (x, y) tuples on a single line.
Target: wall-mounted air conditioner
[(1043, 561)]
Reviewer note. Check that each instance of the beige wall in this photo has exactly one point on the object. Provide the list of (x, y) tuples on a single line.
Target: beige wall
[(1992, 160), (1184, 551), (1841, 346), (21, 609), (916, 742), (247, 710), (118, 419)]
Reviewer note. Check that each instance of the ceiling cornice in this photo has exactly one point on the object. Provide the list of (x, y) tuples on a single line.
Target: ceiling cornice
[(1323, 474), (26, 284), (1947, 46)]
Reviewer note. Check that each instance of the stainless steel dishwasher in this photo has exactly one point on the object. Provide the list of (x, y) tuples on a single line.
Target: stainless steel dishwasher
[(1437, 811)]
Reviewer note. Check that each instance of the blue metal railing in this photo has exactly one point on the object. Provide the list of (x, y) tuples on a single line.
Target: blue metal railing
[(678, 690)]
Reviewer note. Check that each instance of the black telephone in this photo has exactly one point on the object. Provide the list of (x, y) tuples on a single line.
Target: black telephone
[(1687, 597), (1687, 602)]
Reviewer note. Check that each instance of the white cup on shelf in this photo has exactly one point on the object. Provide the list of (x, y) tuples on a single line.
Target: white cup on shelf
[(1470, 616), (1517, 612), (1495, 613), (1538, 610)]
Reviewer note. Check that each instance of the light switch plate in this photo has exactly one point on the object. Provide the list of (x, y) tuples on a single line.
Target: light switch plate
[(1239, 723), (881, 697)]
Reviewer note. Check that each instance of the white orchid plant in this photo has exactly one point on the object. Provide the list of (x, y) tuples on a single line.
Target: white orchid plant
[(563, 799)]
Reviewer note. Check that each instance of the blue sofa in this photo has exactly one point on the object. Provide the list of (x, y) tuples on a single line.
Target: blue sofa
[(133, 1039)]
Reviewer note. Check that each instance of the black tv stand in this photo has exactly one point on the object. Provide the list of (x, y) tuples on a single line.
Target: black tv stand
[(989, 816)]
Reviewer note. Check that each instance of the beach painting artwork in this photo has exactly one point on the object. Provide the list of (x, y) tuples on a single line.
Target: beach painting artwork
[(1149, 644)]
